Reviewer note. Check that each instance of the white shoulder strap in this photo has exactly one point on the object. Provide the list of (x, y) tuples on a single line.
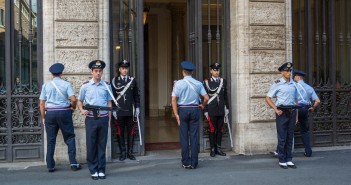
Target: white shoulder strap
[(58, 90), (217, 92), (125, 89), (108, 90), (298, 91), (192, 88)]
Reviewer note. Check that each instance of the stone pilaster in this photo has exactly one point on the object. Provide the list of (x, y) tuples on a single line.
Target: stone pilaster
[(260, 40), (75, 33)]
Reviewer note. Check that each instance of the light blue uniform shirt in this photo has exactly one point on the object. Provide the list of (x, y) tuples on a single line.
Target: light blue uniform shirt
[(307, 93), (95, 94), (284, 91), (53, 98), (185, 94)]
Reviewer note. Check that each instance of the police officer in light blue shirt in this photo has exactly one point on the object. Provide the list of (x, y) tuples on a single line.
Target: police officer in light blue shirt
[(58, 100), (186, 107), (285, 92), (95, 92), (309, 100)]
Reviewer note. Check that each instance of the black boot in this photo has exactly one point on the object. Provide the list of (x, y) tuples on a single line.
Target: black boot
[(122, 148), (130, 155), (219, 140), (123, 156), (212, 144), (130, 147)]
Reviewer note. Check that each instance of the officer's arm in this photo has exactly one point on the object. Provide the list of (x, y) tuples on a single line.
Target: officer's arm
[(175, 108), (271, 104), (204, 103), (174, 105), (42, 110), (80, 107), (73, 102), (315, 104)]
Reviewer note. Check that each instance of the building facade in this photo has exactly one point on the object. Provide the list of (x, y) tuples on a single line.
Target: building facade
[(250, 38)]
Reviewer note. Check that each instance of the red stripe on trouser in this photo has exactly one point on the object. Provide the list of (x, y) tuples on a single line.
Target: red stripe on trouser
[(212, 129), (118, 128), (133, 128)]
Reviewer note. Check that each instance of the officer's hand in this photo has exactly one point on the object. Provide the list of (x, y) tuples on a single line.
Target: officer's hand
[(114, 113), (43, 121), (311, 109), (206, 115), (178, 119), (278, 112), (84, 112), (226, 111), (137, 112)]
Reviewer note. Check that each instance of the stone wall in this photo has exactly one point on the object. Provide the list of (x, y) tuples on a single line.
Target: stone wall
[(75, 33), (260, 40)]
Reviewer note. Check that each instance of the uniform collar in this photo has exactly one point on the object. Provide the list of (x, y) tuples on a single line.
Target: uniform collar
[(187, 77), (282, 79), (91, 81), (214, 78), (301, 82)]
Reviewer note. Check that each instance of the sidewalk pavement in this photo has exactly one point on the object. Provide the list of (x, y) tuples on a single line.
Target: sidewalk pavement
[(327, 166)]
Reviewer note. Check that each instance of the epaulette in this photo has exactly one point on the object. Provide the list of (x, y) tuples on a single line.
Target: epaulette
[(277, 81), (108, 83), (86, 82)]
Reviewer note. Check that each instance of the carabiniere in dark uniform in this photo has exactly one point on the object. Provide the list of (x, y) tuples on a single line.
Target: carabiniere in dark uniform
[(127, 95), (216, 109)]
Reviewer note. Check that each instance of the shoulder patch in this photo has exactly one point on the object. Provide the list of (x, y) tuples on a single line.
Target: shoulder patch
[(85, 82), (277, 81)]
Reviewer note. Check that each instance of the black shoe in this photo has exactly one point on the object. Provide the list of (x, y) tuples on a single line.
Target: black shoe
[(274, 154), (307, 155), (219, 152), (95, 176), (123, 156), (50, 170), (284, 167), (291, 165), (187, 166), (75, 167), (130, 156), (212, 153), (102, 175)]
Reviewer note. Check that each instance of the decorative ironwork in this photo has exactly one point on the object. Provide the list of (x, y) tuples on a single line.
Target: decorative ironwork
[(19, 92), (328, 41)]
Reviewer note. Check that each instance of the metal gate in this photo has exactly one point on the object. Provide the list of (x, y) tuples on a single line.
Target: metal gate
[(321, 47), (21, 135), (126, 44), (208, 33)]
